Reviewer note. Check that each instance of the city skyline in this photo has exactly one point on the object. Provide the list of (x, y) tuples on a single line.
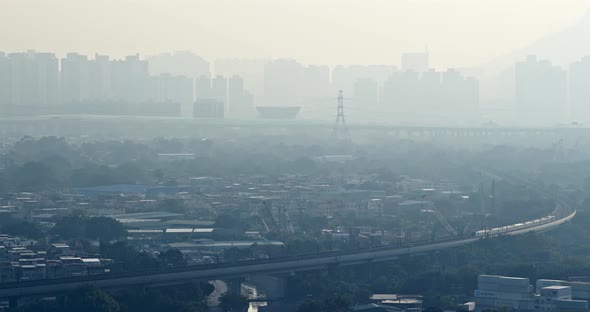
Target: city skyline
[(538, 91), (294, 155)]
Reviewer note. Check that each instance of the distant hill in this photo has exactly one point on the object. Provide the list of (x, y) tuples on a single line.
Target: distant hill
[(561, 48), (497, 77)]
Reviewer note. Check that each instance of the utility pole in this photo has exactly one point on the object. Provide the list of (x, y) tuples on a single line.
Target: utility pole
[(493, 198), (341, 129), (300, 215)]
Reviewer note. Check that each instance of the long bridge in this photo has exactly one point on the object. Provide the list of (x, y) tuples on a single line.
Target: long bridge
[(89, 124), (59, 286)]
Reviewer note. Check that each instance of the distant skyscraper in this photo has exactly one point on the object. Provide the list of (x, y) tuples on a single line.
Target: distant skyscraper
[(540, 91), (366, 92), (460, 96), (283, 83), (432, 98), (211, 89), (130, 79), (32, 80), (32, 83), (168, 88), (99, 73), (74, 78), (46, 75), (171, 95), (250, 70), (219, 89), (208, 108), (241, 102), (400, 94), (345, 77), (138, 77), (203, 88), (579, 90), (429, 99), (5, 81), (418, 62), (18, 74), (315, 86)]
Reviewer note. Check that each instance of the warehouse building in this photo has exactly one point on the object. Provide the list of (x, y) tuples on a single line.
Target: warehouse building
[(515, 293)]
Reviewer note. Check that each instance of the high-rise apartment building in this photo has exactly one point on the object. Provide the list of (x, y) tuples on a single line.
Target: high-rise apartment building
[(74, 79), (541, 90), (240, 101), (579, 91)]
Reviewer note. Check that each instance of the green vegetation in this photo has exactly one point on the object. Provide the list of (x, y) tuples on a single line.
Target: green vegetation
[(182, 298), (333, 304), (127, 257), (18, 227), (450, 276), (445, 278), (230, 302), (98, 228)]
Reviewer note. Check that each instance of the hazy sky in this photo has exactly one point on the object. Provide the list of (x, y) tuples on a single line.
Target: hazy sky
[(457, 32)]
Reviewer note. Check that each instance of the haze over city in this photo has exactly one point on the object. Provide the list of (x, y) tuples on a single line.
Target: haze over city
[(294, 156), (461, 33)]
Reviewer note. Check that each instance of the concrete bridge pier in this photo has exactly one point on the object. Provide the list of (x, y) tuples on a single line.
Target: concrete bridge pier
[(274, 287), (234, 285), (61, 301), (13, 302)]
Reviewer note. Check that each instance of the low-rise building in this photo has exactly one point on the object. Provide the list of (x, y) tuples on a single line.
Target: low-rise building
[(515, 293), (580, 290), (503, 292)]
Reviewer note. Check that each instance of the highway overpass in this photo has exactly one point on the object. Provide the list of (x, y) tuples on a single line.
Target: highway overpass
[(94, 125), (245, 268)]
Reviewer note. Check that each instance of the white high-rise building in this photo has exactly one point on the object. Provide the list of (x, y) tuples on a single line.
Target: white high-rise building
[(579, 91), (541, 91), (5, 81), (74, 79), (240, 101), (99, 71)]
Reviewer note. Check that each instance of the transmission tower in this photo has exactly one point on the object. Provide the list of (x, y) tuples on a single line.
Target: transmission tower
[(341, 129)]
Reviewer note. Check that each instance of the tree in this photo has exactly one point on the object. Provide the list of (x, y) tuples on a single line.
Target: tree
[(95, 175), (79, 226), (231, 254), (172, 205), (362, 295), (92, 300), (158, 174), (311, 305), (16, 227), (205, 289), (332, 304), (173, 257), (104, 228), (337, 304), (70, 226), (130, 258), (33, 176), (230, 302)]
